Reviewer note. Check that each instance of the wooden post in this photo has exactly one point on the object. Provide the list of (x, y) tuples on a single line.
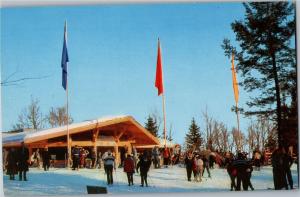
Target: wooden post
[(95, 138), (117, 153)]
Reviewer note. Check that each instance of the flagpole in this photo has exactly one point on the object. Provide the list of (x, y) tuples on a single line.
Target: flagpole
[(164, 114), (238, 119), (68, 133)]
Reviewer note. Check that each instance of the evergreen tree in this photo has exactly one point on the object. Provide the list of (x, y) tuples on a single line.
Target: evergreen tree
[(151, 126), (266, 57), (193, 139)]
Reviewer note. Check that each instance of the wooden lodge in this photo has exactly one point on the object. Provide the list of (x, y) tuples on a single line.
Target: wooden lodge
[(114, 133)]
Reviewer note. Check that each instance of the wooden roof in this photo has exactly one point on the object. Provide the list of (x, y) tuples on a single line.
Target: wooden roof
[(125, 127)]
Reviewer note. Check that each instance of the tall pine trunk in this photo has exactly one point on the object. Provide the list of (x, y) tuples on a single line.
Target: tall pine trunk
[(278, 101)]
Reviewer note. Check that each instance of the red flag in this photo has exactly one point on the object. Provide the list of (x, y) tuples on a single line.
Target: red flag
[(159, 73)]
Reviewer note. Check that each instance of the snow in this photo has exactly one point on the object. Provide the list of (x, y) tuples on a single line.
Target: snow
[(58, 181)]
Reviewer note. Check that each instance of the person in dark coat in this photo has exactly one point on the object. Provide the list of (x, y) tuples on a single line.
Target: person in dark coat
[(129, 169), (247, 180), (144, 166), (189, 161), (279, 175), (12, 164), (206, 166), (232, 172), (240, 164), (46, 159), (75, 157), (23, 156)]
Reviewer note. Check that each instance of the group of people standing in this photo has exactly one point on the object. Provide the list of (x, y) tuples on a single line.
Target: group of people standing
[(129, 166), (196, 164), (282, 161), (17, 162)]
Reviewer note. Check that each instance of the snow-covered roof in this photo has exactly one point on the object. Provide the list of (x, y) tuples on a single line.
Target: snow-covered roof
[(169, 144), (29, 137)]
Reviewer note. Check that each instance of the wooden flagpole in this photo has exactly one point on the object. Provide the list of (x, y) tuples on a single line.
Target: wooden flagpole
[(164, 113), (68, 133)]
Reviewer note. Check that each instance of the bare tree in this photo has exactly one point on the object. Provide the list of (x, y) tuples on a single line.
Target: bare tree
[(238, 139), (209, 124), (58, 117), (224, 137), (251, 136), (30, 117)]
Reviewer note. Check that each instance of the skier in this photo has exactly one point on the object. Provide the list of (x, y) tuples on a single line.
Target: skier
[(109, 165), (11, 164), (23, 156), (46, 159), (144, 166), (129, 168), (189, 165)]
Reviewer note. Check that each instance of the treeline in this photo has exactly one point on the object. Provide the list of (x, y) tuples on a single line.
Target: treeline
[(31, 117), (216, 136)]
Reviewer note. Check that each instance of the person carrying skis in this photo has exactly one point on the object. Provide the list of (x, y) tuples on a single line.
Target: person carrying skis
[(129, 168), (109, 165), (144, 166)]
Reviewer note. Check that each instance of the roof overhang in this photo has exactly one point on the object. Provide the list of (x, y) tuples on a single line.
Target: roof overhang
[(127, 125)]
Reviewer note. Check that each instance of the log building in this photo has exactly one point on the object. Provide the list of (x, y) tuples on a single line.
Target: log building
[(114, 133)]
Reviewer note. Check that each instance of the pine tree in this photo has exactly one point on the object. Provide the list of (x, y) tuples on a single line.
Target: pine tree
[(193, 138), (151, 126), (266, 59)]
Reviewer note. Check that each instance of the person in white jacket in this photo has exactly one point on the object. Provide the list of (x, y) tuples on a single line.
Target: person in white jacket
[(109, 165)]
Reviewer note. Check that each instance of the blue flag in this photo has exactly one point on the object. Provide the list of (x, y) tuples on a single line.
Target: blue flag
[(64, 60)]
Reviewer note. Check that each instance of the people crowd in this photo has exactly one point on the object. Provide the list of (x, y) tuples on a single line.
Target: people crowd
[(198, 164)]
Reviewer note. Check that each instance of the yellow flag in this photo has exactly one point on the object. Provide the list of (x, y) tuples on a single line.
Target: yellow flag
[(234, 81)]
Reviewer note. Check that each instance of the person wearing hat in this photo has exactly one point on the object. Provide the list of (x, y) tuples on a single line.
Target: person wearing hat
[(109, 165), (129, 168)]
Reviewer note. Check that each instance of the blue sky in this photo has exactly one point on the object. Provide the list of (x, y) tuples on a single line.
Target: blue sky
[(112, 52)]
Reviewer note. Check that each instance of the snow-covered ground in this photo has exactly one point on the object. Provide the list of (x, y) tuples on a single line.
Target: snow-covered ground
[(173, 179)]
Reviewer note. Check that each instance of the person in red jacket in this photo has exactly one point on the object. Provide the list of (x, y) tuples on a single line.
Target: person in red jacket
[(129, 168), (166, 155)]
